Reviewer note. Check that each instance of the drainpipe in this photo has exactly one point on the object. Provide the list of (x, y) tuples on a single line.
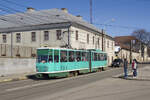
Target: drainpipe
[(11, 45)]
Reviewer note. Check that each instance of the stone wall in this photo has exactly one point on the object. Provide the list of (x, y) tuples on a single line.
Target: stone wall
[(9, 66)]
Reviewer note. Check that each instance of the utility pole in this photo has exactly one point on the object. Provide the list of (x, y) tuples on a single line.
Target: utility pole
[(102, 40), (91, 19), (130, 51)]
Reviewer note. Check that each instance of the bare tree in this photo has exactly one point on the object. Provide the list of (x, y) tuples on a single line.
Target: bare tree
[(142, 35), (144, 39)]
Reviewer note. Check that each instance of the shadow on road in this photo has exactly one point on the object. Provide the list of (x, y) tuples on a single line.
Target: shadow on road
[(33, 77)]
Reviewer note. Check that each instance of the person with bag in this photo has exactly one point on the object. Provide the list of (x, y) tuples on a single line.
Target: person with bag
[(134, 68)]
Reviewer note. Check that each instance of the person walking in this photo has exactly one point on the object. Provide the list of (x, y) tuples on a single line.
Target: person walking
[(125, 65), (134, 68)]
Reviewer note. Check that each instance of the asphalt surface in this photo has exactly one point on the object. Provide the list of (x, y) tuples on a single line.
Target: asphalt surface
[(33, 89)]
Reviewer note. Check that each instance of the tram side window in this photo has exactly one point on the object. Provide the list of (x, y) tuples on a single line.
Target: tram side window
[(105, 57), (50, 58), (88, 56), (84, 56), (95, 56), (56, 56), (99, 57), (63, 56), (71, 56), (78, 56)]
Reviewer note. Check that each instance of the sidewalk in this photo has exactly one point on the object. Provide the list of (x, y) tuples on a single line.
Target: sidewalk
[(142, 74), (16, 77)]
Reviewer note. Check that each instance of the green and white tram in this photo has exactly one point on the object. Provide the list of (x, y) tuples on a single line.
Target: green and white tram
[(59, 62)]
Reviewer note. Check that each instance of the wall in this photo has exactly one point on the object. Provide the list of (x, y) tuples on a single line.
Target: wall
[(17, 51), (123, 53), (26, 38), (81, 43), (110, 49), (10, 66)]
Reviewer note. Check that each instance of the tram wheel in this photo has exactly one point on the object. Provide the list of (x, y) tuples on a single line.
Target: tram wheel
[(99, 69), (103, 69), (75, 73), (71, 74), (38, 76), (45, 76)]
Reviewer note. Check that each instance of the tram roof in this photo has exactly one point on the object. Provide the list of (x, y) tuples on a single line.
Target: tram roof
[(57, 48)]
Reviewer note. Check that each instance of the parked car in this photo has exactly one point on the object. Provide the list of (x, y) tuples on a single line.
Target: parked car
[(117, 63)]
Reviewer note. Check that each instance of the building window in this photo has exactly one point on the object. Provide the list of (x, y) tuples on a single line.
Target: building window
[(98, 41), (76, 35), (87, 38), (4, 38), (33, 37), (108, 44), (18, 37), (93, 39), (46, 35), (58, 33)]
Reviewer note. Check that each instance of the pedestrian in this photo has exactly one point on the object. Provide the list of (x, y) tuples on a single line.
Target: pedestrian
[(134, 68), (125, 65)]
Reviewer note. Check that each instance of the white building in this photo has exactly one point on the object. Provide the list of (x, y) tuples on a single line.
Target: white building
[(54, 28)]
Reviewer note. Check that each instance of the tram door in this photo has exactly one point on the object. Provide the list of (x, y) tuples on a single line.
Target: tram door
[(90, 60), (56, 60)]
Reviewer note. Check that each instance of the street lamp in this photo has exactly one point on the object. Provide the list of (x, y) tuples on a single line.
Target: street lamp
[(104, 34)]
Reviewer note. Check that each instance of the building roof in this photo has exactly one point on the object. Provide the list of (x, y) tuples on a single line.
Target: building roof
[(124, 39), (43, 19), (125, 42), (40, 17)]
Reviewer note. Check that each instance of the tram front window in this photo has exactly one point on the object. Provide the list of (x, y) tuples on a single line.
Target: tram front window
[(43, 58)]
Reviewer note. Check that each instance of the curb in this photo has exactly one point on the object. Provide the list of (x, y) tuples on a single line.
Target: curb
[(13, 79), (121, 76)]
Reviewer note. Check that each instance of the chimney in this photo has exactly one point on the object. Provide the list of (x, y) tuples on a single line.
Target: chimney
[(30, 9), (64, 10), (80, 17)]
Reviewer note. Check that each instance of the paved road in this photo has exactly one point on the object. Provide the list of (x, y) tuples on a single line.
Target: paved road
[(33, 89), (43, 89)]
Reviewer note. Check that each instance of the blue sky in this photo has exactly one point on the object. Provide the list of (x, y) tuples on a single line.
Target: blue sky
[(133, 14)]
